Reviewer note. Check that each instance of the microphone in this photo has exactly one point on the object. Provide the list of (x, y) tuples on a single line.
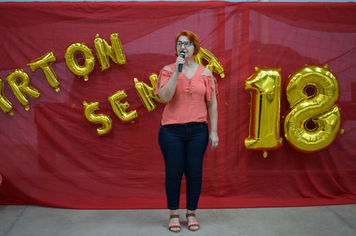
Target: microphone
[(180, 66)]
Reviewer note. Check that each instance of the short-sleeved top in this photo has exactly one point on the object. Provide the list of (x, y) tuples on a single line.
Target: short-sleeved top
[(189, 100)]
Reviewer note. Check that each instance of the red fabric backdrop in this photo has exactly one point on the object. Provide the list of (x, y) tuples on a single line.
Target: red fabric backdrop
[(51, 156)]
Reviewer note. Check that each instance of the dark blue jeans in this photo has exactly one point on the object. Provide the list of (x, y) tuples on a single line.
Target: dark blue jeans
[(183, 147)]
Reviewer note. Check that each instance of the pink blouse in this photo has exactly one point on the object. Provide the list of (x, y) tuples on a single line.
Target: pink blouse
[(189, 101)]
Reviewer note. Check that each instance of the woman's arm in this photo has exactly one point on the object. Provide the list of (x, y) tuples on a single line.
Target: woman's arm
[(213, 118), (166, 92), (212, 107)]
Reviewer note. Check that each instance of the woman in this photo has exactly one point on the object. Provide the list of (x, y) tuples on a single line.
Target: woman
[(191, 97)]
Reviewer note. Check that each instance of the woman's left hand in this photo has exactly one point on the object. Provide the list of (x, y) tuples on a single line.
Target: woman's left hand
[(213, 140)]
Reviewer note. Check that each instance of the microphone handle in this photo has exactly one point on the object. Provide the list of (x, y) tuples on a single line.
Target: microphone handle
[(180, 67)]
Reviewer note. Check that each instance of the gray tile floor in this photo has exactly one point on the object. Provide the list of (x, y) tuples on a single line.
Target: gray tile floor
[(28, 220)]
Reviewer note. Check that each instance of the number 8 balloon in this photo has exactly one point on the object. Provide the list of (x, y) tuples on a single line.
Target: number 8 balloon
[(318, 109)]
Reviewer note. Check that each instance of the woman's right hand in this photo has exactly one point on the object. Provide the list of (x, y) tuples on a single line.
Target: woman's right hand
[(167, 91), (180, 60)]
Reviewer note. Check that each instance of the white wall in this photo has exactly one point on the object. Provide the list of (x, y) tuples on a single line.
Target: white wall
[(182, 1)]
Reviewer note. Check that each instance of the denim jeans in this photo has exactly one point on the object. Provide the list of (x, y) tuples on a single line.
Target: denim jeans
[(183, 147)]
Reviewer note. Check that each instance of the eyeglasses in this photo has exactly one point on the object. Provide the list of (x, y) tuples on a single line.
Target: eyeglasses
[(186, 44)]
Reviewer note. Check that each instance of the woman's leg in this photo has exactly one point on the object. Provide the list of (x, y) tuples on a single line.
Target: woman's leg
[(173, 150), (195, 150)]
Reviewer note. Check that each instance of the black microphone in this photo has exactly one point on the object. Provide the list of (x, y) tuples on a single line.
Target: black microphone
[(180, 66)]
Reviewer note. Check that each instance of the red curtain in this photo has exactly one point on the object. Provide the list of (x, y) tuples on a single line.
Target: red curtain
[(51, 155)]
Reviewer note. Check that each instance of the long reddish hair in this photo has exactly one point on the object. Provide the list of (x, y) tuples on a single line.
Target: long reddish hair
[(192, 38)]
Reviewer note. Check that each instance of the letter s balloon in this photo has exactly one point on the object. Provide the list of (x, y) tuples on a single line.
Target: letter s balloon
[(104, 120)]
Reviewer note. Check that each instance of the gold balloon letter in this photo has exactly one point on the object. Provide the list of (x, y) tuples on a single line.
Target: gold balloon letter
[(115, 52), (102, 119), (120, 108), (5, 104), (314, 120), (214, 65), (24, 87), (70, 57), (265, 88), (146, 93), (44, 63)]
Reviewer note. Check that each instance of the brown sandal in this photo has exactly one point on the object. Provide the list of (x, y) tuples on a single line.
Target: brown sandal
[(192, 223), (174, 225)]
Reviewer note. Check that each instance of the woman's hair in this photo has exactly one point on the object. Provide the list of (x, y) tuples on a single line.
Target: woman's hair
[(192, 38)]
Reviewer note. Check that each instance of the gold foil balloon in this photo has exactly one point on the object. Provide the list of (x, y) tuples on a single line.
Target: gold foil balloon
[(102, 119), (71, 60), (104, 50), (120, 108), (44, 63), (214, 65), (5, 104), (21, 88), (265, 89), (314, 120), (147, 93)]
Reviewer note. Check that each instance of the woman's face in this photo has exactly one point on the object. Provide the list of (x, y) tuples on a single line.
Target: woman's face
[(183, 44)]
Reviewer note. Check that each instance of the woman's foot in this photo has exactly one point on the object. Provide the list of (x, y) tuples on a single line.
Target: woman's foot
[(193, 224), (174, 224)]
